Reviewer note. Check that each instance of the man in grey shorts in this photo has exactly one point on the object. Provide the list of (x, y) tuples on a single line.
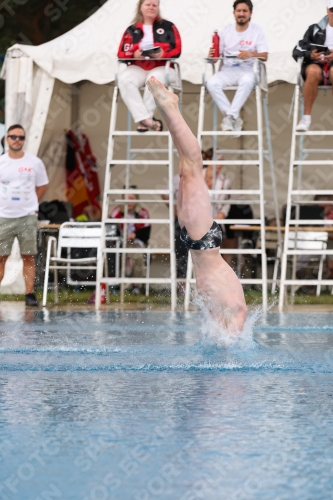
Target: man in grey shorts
[(23, 181)]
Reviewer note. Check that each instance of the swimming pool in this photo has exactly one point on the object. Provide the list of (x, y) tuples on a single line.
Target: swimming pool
[(137, 406)]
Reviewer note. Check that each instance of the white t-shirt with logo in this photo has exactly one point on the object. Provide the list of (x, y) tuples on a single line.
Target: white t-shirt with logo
[(232, 42), (329, 37), (18, 182), (147, 41)]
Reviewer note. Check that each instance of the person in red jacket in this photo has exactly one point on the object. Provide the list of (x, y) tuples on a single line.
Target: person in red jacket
[(138, 234), (148, 30)]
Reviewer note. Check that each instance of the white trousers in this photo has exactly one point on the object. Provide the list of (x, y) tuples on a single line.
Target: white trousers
[(131, 80), (244, 79)]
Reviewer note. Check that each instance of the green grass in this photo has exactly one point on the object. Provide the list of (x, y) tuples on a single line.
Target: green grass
[(254, 297), (71, 296), (323, 299)]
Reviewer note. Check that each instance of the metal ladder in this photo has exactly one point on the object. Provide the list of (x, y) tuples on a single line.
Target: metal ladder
[(260, 154), (110, 196), (298, 196)]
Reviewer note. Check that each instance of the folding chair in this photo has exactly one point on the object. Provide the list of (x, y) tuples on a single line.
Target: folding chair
[(310, 241), (71, 235)]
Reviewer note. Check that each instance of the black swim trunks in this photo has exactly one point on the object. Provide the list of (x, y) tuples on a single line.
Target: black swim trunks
[(212, 239)]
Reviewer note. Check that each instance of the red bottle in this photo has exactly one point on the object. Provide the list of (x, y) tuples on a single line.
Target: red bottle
[(216, 44), (128, 44), (326, 71), (103, 293)]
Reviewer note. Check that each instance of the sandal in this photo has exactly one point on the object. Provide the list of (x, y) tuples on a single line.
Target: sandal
[(157, 125), (142, 128)]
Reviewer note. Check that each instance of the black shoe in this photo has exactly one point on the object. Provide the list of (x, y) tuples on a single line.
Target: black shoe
[(30, 300)]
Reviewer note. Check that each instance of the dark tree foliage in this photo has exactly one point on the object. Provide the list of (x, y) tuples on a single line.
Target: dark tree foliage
[(38, 21), (32, 22)]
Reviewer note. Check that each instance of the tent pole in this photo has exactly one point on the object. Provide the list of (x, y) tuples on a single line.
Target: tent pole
[(45, 90)]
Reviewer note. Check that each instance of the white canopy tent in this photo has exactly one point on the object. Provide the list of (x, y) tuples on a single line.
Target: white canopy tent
[(88, 52), (40, 94)]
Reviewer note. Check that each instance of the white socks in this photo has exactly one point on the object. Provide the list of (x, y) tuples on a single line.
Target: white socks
[(307, 119)]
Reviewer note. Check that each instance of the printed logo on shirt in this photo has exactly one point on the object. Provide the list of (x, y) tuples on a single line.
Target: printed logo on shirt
[(25, 169), (160, 31), (246, 42), (15, 199)]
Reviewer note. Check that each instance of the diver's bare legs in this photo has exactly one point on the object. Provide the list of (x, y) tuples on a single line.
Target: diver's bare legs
[(194, 210), (217, 284)]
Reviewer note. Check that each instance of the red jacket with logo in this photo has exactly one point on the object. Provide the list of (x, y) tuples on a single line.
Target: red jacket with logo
[(165, 36)]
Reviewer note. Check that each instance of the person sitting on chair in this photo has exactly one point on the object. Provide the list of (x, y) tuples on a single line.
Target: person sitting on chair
[(239, 43), (222, 183), (221, 207), (138, 235), (180, 249), (147, 31), (317, 67), (217, 284)]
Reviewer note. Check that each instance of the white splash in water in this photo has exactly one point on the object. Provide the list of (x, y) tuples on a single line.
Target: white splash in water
[(214, 334)]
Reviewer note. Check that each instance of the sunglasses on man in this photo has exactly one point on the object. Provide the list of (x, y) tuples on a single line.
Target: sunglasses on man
[(331, 9), (14, 137)]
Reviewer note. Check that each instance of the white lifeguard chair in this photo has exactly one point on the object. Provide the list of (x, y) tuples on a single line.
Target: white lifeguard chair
[(299, 196), (151, 196), (257, 155)]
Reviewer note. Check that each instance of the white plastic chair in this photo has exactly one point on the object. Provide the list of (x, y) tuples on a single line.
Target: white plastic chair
[(310, 240), (71, 235)]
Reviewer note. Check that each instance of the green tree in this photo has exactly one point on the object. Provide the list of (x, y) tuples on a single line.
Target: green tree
[(33, 22), (39, 21)]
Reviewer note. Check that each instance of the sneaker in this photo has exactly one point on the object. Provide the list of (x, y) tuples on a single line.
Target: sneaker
[(227, 124), (135, 290), (238, 126), (30, 300), (303, 125)]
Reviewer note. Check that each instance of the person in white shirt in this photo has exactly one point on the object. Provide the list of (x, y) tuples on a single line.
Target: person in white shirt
[(240, 42), (23, 181), (220, 201), (317, 63), (220, 205)]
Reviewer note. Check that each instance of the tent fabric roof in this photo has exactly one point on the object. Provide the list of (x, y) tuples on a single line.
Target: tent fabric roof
[(88, 52)]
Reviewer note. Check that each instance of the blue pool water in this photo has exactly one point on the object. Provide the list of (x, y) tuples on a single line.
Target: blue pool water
[(138, 405)]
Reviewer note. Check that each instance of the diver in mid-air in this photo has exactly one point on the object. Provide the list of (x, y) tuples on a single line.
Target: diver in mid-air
[(217, 284)]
